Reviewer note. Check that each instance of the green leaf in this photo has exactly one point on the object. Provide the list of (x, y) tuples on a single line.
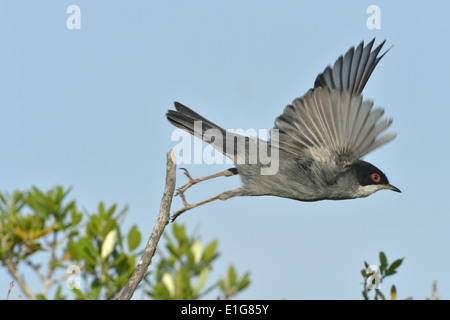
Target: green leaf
[(96, 288), (200, 281), (74, 250), (87, 250), (134, 238), (58, 295), (76, 218), (173, 250), (379, 294), (393, 293), (120, 262), (184, 279), (222, 284), (232, 276), (110, 225), (93, 226), (393, 266), (111, 210), (245, 281), (366, 297), (101, 208), (210, 251), (191, 260), (383, 260), (178, 231)]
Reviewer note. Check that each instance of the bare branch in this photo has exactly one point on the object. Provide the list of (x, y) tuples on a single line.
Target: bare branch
[(161, 222), (11, 285), (13, 271)]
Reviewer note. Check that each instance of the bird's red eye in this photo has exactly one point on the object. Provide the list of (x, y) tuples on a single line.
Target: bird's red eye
[(375, 177)]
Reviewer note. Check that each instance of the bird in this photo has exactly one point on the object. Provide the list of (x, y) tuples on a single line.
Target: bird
[(319, 139)]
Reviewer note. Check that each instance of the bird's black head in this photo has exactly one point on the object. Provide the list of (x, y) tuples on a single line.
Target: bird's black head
[(370, 178)]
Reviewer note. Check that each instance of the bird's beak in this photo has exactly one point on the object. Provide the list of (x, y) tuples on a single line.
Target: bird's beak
[(391, 187)]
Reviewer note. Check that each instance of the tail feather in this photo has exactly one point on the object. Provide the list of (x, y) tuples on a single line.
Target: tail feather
[(186, 119), (189, 112)]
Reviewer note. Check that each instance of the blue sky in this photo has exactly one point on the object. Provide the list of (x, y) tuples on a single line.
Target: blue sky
[(86, 109)]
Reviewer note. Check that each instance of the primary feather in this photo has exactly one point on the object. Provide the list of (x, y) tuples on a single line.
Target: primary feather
[(352, 70), (334, 120), (331, 125)]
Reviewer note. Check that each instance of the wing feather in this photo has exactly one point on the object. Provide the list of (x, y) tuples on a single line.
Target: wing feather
[(352, 70), (331, 124), (337, 122)]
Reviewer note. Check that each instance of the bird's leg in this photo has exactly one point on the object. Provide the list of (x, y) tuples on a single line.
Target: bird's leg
[(188, 206), (222, 196), (225, 173)]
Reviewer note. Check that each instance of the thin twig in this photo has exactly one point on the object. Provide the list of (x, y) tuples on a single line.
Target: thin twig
[(46, 281), (12, 270), (11, 285), (161, 222)]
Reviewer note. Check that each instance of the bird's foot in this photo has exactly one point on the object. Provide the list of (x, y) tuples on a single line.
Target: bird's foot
[(180, 191)]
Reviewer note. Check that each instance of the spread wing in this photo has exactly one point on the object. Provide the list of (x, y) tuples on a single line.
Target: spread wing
[(331, 128), (351, 71)]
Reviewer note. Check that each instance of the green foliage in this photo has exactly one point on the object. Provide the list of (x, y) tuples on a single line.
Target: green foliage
[(102, 254), (231, 284), (37, 223), (46, 226), (184, 269), (371, 277)]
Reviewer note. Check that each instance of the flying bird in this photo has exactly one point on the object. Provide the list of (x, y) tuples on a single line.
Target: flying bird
[(319, 140)]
